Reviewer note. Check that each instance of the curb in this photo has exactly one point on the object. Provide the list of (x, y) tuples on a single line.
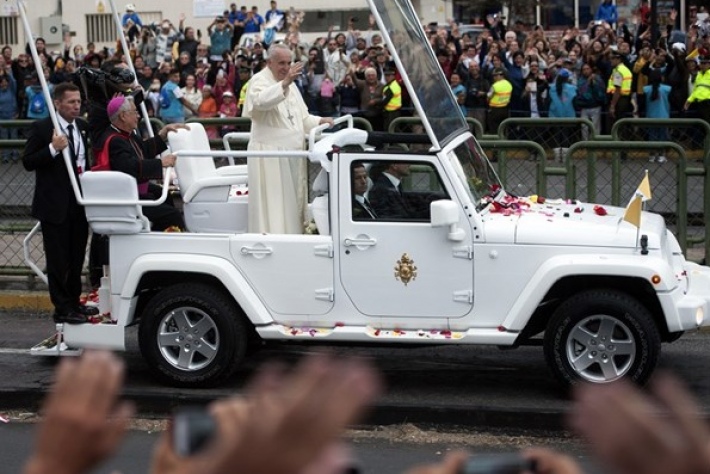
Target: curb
[(155, 405), (25, 301)]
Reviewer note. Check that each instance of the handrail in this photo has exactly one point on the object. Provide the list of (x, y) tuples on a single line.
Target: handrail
[(325, 126), (243, 153), (237, 136), (28, 258), (474, 125), (544, 122), (145, 203), (658, 122)]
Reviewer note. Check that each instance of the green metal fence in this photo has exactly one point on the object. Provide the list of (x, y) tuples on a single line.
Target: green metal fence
[(604, 169), (414, 125)]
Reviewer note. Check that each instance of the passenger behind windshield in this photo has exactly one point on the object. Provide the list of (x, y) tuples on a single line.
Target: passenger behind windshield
[(404, 190), (387, 196), (362, 208)]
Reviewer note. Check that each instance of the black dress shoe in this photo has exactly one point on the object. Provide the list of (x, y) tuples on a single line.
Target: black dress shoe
[(72, 317), (87, 310)]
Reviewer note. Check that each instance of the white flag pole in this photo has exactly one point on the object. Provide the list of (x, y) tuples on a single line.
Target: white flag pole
[(48, 97), (129, 61)]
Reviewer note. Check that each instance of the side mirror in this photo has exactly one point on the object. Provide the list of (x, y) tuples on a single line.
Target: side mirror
[(445, 212)]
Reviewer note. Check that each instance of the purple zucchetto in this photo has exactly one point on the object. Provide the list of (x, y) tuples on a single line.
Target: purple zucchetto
[(114, 104)]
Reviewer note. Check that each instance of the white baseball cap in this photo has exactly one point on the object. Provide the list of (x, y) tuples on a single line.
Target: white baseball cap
[(130, 7), (678, 47)]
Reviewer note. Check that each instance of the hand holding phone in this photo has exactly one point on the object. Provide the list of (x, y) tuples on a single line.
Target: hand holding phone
[(499, 463), (193, 428)]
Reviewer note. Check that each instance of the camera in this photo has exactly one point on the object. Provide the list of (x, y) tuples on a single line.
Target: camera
[(503, 463), (192, 428)]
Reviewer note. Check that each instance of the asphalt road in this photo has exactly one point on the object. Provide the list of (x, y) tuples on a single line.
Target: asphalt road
[(468, 386), (135, 454), (370, 455)]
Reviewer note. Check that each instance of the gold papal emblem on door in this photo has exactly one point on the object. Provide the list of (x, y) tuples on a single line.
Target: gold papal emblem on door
[(405, 271)]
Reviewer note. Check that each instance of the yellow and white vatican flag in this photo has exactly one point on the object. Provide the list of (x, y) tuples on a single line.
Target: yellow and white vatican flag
[(644, 188), (632, 214)]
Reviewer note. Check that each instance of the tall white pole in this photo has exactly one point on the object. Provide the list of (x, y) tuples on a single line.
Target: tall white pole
[(683, 20), (538, 14), (129, 61), (47, 96)]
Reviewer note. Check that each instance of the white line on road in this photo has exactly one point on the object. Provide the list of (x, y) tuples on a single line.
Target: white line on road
[(14, 351)]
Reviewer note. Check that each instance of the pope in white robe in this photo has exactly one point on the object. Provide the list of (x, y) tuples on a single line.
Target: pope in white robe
[(278, 187)]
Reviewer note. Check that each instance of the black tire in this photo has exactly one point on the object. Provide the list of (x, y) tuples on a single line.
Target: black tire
[(599, 336), (207, 349)]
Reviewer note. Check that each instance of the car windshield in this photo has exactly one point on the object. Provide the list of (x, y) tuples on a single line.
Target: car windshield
[(475, 171), (418, 65)]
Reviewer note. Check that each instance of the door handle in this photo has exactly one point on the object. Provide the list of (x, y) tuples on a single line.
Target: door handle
[(360, 242), (259, 251)]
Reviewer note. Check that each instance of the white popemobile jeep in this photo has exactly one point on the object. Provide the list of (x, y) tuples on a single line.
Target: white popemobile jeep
[(473, 265)]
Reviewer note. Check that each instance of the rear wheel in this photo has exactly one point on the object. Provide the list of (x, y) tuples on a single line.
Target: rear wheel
[(192, 335), (600, 336)]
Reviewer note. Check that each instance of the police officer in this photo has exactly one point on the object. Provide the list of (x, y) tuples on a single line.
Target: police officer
[(701, 88), (392, 98), (498, 100), (619, 88)]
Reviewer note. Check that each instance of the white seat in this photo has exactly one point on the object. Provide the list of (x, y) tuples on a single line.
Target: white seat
[(111, 214), (205, 189), (318, 208)]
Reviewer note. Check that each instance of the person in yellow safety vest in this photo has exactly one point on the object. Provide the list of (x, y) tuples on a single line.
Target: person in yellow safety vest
[(392, 99), (244, 76), (498, 101), (701, 88), (619, 88)]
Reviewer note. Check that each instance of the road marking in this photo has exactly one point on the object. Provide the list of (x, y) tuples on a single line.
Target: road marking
[(14, 351)]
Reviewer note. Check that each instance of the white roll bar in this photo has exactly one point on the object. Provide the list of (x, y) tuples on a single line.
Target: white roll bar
[(129, 61), (316, 130), (53, 112)]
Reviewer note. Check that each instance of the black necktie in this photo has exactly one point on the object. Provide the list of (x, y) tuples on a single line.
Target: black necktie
[(70, 136), (368, 208)]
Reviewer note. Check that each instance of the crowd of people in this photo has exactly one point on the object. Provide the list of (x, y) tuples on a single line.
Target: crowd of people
[(609, 70), (293, 421)]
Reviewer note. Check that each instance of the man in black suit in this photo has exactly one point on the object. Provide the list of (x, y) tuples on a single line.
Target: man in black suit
[(362, 209), (386, 194), (64, 226)]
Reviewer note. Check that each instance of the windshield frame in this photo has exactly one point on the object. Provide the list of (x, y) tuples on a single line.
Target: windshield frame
[(416, 62), (474, 170)]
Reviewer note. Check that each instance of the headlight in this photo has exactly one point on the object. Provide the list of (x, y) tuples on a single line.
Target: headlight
[(699, 316)]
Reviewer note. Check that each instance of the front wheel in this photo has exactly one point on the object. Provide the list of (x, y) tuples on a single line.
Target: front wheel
[(192, 335), (600, 336)]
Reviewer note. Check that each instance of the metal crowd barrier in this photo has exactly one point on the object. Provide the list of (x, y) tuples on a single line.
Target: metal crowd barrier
[(605, 169)]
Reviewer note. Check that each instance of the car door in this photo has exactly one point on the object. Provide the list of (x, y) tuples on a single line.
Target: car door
[(292, 274), (402, 266)]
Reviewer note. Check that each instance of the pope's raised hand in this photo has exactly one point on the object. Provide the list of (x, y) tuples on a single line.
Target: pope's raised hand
[(293, 72)]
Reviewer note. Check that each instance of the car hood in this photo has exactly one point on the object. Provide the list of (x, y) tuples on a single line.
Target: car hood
[(572, 223)]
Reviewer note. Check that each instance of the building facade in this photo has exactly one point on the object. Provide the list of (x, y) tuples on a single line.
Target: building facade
[(91, 20)]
